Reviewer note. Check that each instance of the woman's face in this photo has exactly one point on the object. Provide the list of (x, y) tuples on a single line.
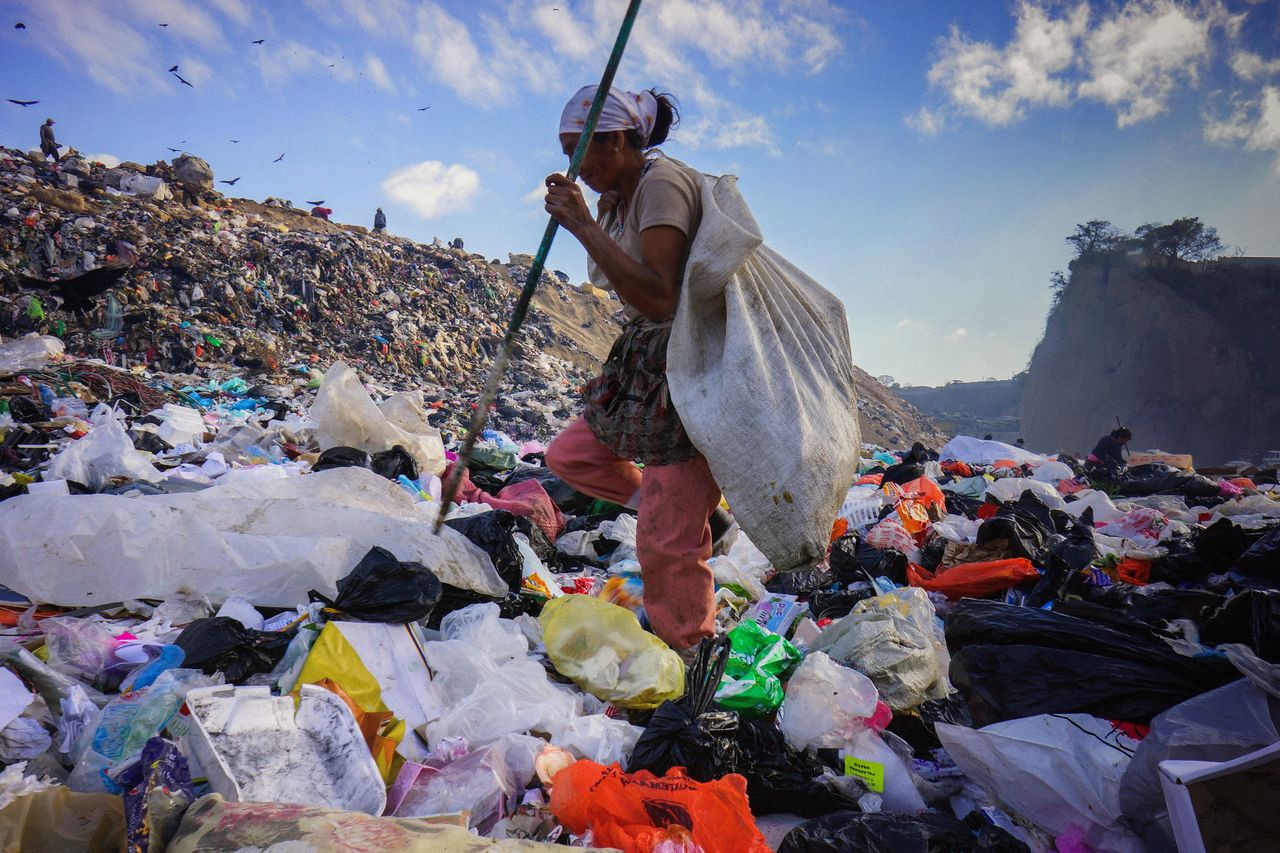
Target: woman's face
[(603, 163)]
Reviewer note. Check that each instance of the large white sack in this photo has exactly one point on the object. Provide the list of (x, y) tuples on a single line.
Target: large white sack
[(977, 451), (345, 415), (1011, 488), (1058, 771), (267, 542), (760, 370)]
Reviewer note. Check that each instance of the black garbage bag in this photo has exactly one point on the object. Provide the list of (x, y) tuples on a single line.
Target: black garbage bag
[(1026, 524), (394, 462), (222, 644), (1161, 606), (783, 779), (1262, 559), (539, 542), (1251, 617), (1110, 617), (383, 589), (493, 533), (1067, 556), (896, 832), (341, 457), (27, 411), (825, 604), (509, 606), (688, 733), (1010, 661), (1160, 479), (853, 560), (1213, 551), (958, 504), (801, 584)]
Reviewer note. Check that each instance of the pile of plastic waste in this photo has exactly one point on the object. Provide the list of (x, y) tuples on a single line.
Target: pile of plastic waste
[(256, 632)]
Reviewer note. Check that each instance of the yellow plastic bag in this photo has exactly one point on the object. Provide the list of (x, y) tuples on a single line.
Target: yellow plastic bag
[(603, 649), (332, 659)]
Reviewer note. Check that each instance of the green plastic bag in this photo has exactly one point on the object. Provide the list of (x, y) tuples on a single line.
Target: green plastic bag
[(758, 661)]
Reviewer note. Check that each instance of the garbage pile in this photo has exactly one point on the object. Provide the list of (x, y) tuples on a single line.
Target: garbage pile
[(255, 633), (112, 263)]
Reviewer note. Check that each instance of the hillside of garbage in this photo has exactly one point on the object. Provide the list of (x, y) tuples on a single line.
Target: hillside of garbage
[(235, 615)]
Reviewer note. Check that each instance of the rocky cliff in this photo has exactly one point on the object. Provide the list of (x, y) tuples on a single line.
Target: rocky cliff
[(1186, 357)]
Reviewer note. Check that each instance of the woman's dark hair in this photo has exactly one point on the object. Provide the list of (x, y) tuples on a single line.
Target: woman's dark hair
[(667, 118), (1121, 434)]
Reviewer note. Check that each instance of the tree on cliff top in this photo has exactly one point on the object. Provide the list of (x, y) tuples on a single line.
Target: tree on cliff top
[(1097, 237), (1186, 239)]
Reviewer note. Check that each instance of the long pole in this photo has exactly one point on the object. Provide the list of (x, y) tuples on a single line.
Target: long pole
[(499, 368)]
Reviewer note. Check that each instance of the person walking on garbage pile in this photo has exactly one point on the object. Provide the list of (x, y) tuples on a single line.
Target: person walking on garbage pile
[(1108, 454), (379, 222), (649, 212), (48, 145)]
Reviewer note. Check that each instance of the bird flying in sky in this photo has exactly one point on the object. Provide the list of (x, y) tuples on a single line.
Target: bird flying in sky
[(278, 159), (316, 203), (173, 69), (232, 182), (22, 103), (183, 82), (259, 41)]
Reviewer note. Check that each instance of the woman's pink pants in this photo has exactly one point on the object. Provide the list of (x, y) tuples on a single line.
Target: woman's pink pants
[(673, 536)]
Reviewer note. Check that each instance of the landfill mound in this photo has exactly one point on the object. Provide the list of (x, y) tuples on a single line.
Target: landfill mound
[(268, 291), (1173, 353)]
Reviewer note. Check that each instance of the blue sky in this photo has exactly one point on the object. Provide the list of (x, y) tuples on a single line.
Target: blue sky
[(923, 160)]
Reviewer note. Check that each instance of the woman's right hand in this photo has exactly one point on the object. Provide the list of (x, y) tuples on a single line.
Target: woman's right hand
[(566, 205), (608, 202)]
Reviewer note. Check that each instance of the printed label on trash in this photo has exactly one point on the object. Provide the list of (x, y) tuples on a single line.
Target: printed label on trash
[(870, 772)]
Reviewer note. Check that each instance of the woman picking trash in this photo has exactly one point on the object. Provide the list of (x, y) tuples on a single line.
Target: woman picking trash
[(644, 245), (649, 212)]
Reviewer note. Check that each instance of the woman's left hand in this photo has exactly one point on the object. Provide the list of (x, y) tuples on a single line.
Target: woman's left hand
[(566, 205)]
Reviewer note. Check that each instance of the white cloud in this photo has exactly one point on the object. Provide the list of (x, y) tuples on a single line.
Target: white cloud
[(108, 160), (377, 72), (282, 62), (236, 10), (996, 85), (717, 123), (432, 189), (905, 324), (1138, 57), (186, 19), (195, 70), (1253, 124), (1250, 66), (1132, 58), (958, 334), (926, 121), (821, 147), (446, 45), (99, 40)]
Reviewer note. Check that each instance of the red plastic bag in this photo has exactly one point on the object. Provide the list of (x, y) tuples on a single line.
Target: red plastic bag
[(637, 811), (973, 580), (918, 503), (527, 499)]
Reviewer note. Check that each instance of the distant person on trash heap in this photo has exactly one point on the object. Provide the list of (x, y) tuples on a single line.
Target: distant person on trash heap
[(321, 212), (48, 145), (1108, 453), (649, 211), (379, 222)]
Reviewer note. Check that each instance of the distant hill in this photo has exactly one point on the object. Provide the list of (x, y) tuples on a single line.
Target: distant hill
[(1184, 354)]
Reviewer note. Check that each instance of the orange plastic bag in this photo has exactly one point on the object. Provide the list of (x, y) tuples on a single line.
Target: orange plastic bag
[(918, 503), (636, 811), (1134, 571), (973, 580), (957, 468), (870, 480)]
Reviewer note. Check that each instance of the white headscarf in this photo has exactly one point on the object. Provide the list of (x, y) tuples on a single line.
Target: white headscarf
[(622, 111)]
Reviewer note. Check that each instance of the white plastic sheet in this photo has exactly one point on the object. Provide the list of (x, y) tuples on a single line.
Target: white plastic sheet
[(1011, 488), (30, 353), (104, 453), (345, 415), (966, 448), (267, 542), (1056, 770)]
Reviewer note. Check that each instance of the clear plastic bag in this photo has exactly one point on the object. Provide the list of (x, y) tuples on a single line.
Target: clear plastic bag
[(894, 640), (602, 648), (826, 704), (104, 453), (80, 648)]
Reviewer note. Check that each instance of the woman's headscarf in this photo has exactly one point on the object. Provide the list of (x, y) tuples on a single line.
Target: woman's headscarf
[(622, 111)]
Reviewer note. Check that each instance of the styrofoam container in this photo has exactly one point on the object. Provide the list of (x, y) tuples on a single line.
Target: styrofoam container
[(255, 747)]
